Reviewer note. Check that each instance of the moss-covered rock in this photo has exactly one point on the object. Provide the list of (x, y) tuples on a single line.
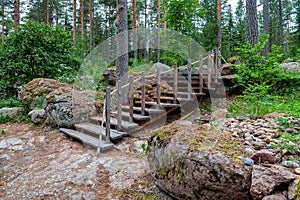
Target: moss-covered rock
[(188, 165)]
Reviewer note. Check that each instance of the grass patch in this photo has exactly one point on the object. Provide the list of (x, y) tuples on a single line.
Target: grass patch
[(10, 103), (250, 104)]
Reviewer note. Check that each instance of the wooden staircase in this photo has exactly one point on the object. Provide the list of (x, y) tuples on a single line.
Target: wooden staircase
[(139, 113)]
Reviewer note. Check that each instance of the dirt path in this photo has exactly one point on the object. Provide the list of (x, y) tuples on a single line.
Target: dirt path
[(38, 163)]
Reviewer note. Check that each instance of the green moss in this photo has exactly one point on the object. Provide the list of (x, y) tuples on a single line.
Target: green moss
[(297, 194), (162, 172)]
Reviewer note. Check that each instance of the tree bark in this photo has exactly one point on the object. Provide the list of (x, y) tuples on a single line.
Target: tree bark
[(219, 25), (91, 23), (145, 30), (281, 24), (158, 25), (266, 25), (16, 14), (2, 12), (47, 12), (134, 30), (82, 17), (122, 40), (74, 26), (56, 12), (252, 24)]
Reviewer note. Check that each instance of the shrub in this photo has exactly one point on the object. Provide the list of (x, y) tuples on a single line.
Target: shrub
[(35, 50)]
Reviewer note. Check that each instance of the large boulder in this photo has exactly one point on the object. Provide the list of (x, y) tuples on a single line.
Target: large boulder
[(11, 112), (183, 167), (291, 66), (160, 66), (190, 161), (35, 91)]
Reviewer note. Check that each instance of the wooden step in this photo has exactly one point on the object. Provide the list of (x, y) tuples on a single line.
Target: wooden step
[(165, 105), (87, 139), (95, 130), (136, 117), (126, 126), (196, 88), (147, 110)]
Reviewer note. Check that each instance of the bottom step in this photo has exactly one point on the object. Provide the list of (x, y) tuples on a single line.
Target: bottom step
[(87, 139)]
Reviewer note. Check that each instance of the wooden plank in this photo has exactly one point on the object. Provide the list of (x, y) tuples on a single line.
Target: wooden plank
[(114, 122), (86, 139), (119, 106), (201, 73), (148, 110), (94, 130), (175, 82), (130, 99), (166, 105), (143, 92), (107, 132), (219, 62), (189, 68), (136, 117), (209, 62), (158, 86), (215, 65)]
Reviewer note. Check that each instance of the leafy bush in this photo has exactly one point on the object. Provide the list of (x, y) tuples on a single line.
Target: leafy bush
[(35, 50), (10, 103)]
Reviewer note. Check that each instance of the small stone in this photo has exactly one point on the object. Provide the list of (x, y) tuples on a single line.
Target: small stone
[(289, 130), (14, 141), (248, 161), (258, 133), (263, 157), (285, 152), (270, 146), (249, 151), (3, 144), (249, 139), (234, 134), (41, 139), (275, 197), (297, 170), (290, 164), (247, 135)]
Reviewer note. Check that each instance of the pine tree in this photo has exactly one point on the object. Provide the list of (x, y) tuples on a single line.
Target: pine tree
[(252, 22), (266, 25), (17, 14), (2, 14)]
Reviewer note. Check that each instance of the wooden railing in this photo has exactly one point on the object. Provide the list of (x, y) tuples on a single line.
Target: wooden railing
[(214, 59)]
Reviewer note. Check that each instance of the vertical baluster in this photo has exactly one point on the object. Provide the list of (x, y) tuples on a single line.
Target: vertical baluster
[(107, 116), (209, 70), (201, 73), (158, 86), (175, 89), (131, 99), (119, 106), (143, 92), (189, 79)]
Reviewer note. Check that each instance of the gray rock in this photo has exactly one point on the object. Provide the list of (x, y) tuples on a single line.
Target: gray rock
[(16, 148), (41, 139), (161, 66), (11, 112), (14, 141), (266, 179), (248, 161), (3, 144), (263, 157), (290, 164), (293, 188), (249, 151), (275, 197), (292, 66), (38, 116)]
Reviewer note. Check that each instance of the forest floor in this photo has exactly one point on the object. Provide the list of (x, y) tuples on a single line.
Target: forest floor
[(42, 163)]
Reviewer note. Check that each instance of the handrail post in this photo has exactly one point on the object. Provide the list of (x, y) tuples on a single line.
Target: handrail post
[(143, 92), (119, 106), (189, 79), (209, 70), (216, 65), (175, 89), (219, 62), (131, 99), (107, 116), (158, 86), (201, 73)]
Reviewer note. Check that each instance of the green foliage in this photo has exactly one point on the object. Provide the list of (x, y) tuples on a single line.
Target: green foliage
[(10, 103), (36, 50), (139, 65), (258, 71)]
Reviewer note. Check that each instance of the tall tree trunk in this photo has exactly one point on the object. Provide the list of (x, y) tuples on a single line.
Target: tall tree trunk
[(219, 25), (252, 24), (91, 23), (2, 13), (82, 17), (165, 21), (56, 12), (122, 40), (17, 14), (266, 25), (281, 24), (158, 25), (145, 30), (74, 25), (47, 12), (108, 37), (134, 31)]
